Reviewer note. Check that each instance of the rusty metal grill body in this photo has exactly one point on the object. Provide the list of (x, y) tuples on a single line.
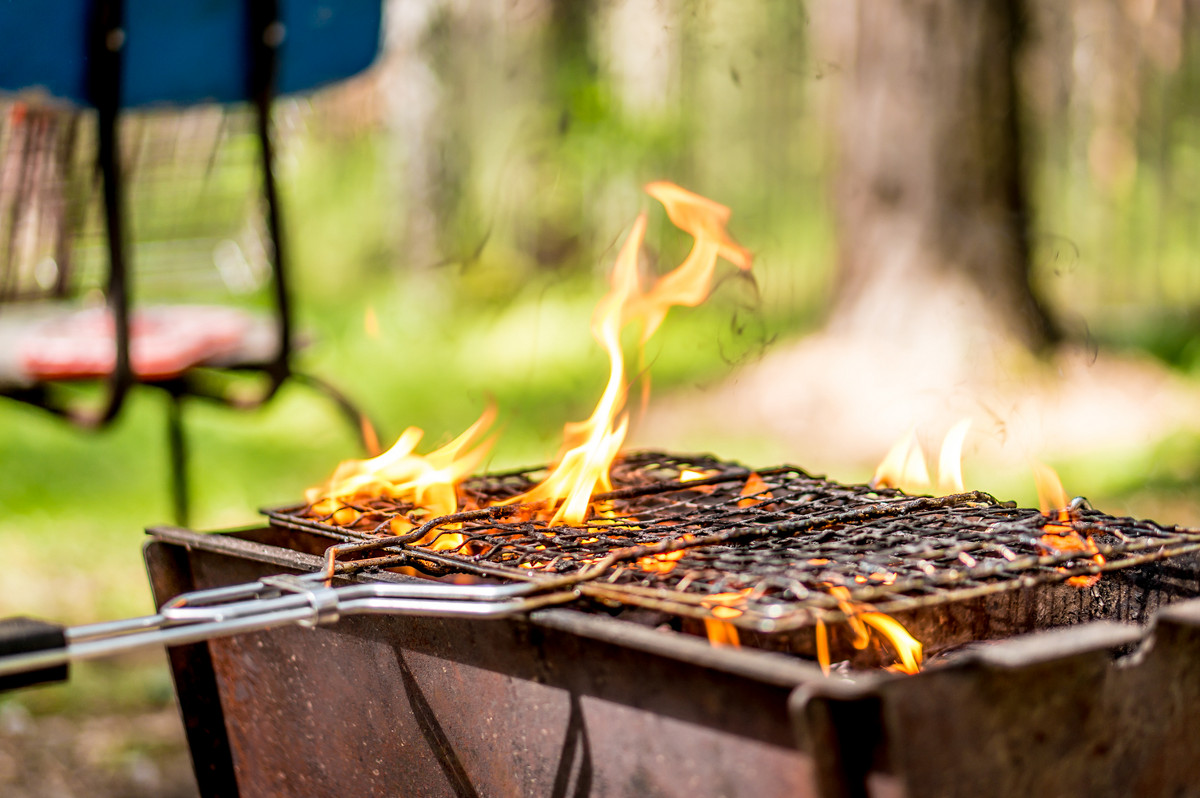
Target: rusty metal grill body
[(600, 698), (568, 703), (677, 530)]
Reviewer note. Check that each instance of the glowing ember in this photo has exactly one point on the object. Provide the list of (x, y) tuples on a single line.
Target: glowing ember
[(589, 447), (754, 491), (1061, 535), (664, 562)]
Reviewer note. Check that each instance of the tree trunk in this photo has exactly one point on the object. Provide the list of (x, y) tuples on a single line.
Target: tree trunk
[(929, 194)]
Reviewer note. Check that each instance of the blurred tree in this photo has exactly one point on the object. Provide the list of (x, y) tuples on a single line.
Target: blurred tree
[(929, 193)]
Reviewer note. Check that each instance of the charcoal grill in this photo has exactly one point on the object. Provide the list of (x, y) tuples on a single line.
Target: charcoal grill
[(1081, 691), (619, 694)]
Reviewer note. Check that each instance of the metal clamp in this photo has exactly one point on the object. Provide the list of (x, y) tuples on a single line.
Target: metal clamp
[(323, 600)]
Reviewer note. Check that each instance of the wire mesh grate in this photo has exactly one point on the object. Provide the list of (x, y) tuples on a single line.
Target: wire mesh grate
[(684, 533)]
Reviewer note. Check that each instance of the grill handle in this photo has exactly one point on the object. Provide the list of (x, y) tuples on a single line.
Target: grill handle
[(25, 636), (33, 652)]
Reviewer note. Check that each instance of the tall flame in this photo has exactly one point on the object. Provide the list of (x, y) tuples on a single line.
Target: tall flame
[(589, 447), (688, 283)]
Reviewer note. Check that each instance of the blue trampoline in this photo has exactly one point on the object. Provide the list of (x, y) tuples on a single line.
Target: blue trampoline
[(184, 51)]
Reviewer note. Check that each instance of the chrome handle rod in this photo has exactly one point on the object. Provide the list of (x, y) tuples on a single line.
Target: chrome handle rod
[(191, 618)]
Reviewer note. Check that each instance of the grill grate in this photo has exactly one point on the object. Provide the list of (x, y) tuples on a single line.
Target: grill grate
[(775, 544)]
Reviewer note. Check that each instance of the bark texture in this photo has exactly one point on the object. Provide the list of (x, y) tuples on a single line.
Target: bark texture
[(929, 193)]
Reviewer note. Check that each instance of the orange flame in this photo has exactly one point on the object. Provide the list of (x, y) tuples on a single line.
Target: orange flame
[(862, 622), (904, 467), (688, 284), (822, 646), (1061, 535), (950, 478), (589, 447), (720, 632), (1052, 497), (425, 481), (907, 647)]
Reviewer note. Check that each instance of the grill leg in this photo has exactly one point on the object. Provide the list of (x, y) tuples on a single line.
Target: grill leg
[(177, 451), (106, 50)]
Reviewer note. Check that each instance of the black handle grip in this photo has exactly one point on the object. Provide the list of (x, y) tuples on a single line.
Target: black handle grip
[(26, 635)]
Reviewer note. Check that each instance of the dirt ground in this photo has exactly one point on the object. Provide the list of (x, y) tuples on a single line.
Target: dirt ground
[(139, 755)]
